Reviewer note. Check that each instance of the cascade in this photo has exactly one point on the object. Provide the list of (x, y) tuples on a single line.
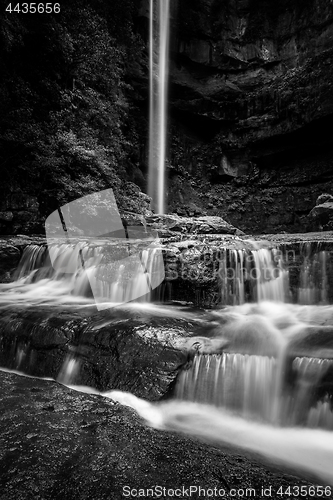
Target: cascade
[(313, 287), (244, 383), (69, 370), (33, 258), (252, 387), (302, 409), (255, 275), (273, 369), (272, 278), (97, 274), (130, 281), (158, 83), (262, 274)]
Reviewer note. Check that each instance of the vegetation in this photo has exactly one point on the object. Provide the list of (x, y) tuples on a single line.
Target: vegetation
[(66, 124)]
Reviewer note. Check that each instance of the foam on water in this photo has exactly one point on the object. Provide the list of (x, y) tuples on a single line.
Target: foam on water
[(38, 283), (309, 450), (302, 449), (240, 354)]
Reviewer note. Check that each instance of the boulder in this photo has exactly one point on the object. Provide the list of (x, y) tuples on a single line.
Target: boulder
[(323, 198), (322, 214), (323, 208), (191, 225)]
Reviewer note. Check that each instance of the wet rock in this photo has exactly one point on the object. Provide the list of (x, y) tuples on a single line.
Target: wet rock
[(321, 216), (322, 210), (57, 443), (191, 225), (107, 351), (9, 259), (323, 198), (325, 207)]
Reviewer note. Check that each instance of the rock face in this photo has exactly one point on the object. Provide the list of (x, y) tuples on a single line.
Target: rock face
[(250, 116), (251, 110), (173, 225)]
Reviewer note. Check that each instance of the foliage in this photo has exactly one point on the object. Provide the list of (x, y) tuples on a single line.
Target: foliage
[(65, 115)]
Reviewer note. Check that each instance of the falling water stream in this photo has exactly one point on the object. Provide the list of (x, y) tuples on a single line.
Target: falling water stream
[(158, 80)]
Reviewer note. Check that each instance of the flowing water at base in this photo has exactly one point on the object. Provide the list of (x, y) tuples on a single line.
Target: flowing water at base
[(260, 375), (302, 449)]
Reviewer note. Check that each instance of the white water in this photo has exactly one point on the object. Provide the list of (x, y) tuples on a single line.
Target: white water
[(158, 78), (308, 450), (115, 275), (314, 282), (272, 280), (69, 370), (95, 282), (246, 379), (301, 449), (258, 275), (247, 384)]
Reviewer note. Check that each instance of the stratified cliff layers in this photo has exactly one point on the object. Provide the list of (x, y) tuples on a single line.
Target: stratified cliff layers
[(251, 105)]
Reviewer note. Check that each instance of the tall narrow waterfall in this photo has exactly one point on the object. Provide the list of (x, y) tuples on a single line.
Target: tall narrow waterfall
[(158, 81)]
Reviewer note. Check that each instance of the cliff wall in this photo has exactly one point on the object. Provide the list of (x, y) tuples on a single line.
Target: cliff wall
[(251, 110)]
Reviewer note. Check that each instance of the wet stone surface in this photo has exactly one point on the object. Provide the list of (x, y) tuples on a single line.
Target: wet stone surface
[(56, 443), (133, 354)]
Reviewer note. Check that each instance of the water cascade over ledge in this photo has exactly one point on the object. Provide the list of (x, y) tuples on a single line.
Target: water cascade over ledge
[(261, 362), (258, 275), (254, 387), (98, 278)]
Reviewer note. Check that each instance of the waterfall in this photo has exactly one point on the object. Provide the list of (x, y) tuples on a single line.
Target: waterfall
[(132, 279), (158, 80), (254, 387), (272, 278), (33, 258), (69, 370), (313, 287), (253, 275), (81, 271), (246, 384), (260, 368), (262, 274)]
